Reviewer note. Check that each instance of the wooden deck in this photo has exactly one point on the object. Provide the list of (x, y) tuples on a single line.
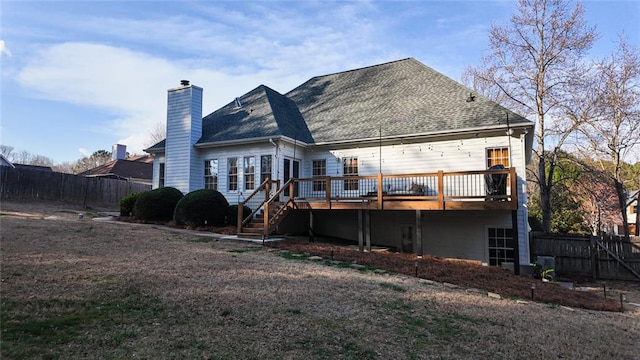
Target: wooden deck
[(468, 190), (429, 191)]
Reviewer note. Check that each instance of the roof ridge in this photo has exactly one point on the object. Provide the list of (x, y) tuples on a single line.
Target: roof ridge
[(364, 68)]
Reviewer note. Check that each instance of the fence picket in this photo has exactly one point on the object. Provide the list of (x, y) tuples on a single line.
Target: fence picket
[(578, 256), (37, 184)]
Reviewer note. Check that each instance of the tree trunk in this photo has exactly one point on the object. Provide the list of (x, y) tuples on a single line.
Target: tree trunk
[(545, 195), (637, 232), (622, 204)]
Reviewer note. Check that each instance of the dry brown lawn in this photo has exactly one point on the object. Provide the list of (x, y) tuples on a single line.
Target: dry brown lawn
[(78, 288)]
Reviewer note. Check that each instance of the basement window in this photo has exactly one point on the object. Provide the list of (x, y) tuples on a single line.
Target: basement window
[(501, 246)]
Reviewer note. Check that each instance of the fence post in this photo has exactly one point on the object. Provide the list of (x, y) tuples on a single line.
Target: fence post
[(594, 258)]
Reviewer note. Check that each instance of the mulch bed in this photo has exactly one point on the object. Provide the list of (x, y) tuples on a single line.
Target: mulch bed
[(463, 273)]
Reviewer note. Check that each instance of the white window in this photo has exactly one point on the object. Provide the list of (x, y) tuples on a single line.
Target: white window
[(319, 169), (161, 175), (266, 165), (498, 156), (501, 246), (211, 174), (249, 172), (350, 168), (232, 174)]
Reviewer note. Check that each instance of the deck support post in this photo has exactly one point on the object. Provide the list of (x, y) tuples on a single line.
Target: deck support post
[(360, 234), (516, 242), (418, 232), (367, 230), (311, 232)]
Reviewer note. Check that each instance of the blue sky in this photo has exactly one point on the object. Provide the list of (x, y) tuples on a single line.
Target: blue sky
[(81, 76)]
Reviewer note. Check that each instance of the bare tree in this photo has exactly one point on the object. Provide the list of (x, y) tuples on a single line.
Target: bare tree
[(611, 128), (531, 60), (6, 151), (156, 134)]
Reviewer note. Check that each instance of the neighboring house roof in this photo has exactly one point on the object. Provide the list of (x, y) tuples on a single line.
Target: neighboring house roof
[(632, 196), (122, 169), (5, 162), (404, 97), (141, 158), (33, 167)]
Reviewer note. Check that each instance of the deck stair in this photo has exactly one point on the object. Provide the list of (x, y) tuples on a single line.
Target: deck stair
[(255, 227)]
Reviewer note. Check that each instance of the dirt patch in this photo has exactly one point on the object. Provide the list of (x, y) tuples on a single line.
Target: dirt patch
[(77, 288)]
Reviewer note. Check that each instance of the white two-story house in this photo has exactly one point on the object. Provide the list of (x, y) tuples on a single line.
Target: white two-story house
[(394, 155)]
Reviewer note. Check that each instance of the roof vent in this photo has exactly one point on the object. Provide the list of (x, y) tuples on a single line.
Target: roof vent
[(471, 97), (184, 82), (238, 103)]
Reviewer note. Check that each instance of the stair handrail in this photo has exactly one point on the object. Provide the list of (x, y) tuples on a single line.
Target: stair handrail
[(265, 205), (263, 186)]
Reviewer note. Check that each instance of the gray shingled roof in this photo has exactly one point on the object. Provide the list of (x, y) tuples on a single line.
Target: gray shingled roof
[(263, 113), (405, 97)]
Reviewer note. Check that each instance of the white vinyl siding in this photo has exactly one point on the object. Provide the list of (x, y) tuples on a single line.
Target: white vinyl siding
[(183, 166)]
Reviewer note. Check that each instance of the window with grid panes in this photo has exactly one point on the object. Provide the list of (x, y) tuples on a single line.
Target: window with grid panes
[(319, 169), (498, 156), (249, 172), (211, 174), (266, 164), (232, 174), (350, 168), (501, 246)]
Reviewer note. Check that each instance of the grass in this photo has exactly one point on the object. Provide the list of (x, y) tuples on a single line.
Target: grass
[(43, 327), (245, 250), (203, 239), (122, 291), (393, 287)]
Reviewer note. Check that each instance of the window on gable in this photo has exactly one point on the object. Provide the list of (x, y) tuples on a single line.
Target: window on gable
[(319, 169), (161, 175), (249, 172), (232, 171), (350, 168), (266, 165), (211, 174), (498, 156)]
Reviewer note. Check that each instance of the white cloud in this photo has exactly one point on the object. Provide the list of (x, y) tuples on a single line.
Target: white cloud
[(4, 51), (85, 152)]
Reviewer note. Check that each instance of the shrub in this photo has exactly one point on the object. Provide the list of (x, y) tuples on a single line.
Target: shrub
[(157, 204), (201, 207), (232, 214), (127, 203)]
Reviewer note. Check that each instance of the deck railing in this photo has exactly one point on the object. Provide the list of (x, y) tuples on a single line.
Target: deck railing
[(460, 190), (446, 190)]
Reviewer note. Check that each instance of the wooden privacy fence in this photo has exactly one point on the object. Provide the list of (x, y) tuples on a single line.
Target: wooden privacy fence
[(609, 258), (46, 185)]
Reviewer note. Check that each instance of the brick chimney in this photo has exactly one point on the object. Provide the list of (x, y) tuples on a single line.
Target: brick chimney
[(183, 167)]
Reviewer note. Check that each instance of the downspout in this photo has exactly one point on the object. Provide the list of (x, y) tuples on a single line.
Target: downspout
[(275, 158)]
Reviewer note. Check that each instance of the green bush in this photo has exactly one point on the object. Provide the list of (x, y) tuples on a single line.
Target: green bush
[(157, 204), (201, 207), (127, 203), (232, 214)]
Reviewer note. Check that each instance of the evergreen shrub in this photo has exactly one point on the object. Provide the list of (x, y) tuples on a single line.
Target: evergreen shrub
[(157, 204), (201, 207), (127, 203)]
